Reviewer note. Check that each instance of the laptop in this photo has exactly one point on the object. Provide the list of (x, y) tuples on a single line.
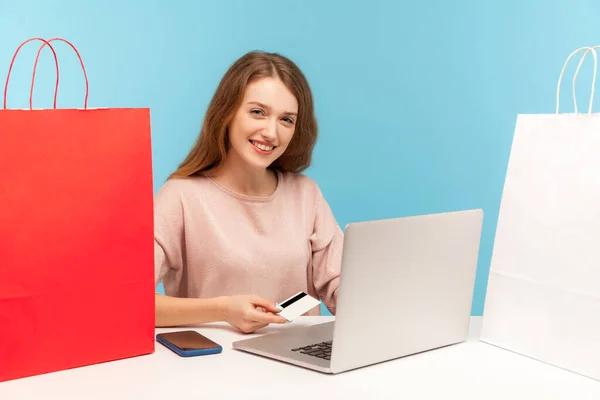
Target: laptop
[(406, 287)]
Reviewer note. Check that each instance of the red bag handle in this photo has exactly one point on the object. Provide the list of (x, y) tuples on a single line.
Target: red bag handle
[(47, 43), (31, 91)]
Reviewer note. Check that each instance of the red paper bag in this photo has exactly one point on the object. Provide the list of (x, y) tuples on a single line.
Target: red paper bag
[(76, 236)]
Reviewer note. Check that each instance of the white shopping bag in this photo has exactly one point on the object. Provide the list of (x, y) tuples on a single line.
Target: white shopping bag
[(543, 296)]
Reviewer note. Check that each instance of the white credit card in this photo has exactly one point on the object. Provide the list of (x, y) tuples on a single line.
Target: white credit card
[(297, 305)]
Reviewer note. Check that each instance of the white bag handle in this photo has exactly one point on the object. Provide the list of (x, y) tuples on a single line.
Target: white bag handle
[(588, 49), (577, 73)]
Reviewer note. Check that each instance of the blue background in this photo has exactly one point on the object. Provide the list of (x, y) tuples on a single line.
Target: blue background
[(416, 100)]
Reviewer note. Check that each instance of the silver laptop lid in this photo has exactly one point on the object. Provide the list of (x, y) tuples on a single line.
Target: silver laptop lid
[(406, 286)]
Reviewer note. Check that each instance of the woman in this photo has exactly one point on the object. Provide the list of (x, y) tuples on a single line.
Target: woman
[(237, 226)]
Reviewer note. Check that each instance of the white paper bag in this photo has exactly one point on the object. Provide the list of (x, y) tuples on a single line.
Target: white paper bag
[(543, 296)]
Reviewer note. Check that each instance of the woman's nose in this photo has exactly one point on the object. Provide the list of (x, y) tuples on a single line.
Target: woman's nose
[(270, 131)]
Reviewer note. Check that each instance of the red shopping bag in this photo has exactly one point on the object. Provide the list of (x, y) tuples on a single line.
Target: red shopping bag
[(76, 236)]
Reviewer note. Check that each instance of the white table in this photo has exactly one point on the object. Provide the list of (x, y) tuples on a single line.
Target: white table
[(470, 370)]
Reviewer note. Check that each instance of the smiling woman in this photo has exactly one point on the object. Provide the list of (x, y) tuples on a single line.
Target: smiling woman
[(262, 128), (237, 225)]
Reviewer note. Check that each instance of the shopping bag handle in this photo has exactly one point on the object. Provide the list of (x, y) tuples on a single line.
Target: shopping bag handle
[(588, 49), (577, 73), (12, 62), (47, 43)]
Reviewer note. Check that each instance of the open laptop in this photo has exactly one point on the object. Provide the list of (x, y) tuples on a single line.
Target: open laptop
[(406, 287)]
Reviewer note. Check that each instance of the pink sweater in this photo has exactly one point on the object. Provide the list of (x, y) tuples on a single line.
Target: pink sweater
[(210, 241)]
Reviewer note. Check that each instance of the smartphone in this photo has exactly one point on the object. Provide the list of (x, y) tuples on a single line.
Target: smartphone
[(188, 343)]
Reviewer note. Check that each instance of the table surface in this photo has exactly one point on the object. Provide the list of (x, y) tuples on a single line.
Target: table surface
[(469, 370)]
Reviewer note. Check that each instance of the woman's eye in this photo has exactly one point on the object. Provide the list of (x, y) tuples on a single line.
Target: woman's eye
[(256, 112), (288, 120)]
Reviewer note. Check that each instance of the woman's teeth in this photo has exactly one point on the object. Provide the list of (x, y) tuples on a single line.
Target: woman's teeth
[(262, 146)]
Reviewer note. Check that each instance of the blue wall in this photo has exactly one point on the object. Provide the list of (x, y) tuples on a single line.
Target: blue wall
[(416, 100)]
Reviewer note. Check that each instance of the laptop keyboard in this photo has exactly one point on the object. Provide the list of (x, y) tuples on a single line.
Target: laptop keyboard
[(320, 350)]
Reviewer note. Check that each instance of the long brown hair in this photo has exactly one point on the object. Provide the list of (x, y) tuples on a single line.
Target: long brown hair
[(212, 144)]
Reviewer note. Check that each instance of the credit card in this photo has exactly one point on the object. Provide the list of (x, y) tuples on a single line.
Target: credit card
[(297, 305)]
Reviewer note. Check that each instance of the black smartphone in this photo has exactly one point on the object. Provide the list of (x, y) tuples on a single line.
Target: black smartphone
[(188, 343)]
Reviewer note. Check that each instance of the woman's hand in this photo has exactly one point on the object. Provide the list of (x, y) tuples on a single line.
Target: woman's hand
[(250, 313)]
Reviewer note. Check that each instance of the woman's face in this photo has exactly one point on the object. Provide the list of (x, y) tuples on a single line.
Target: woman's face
[(263, 126)]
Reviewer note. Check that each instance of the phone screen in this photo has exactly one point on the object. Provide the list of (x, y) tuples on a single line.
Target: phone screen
[(189, 340)]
